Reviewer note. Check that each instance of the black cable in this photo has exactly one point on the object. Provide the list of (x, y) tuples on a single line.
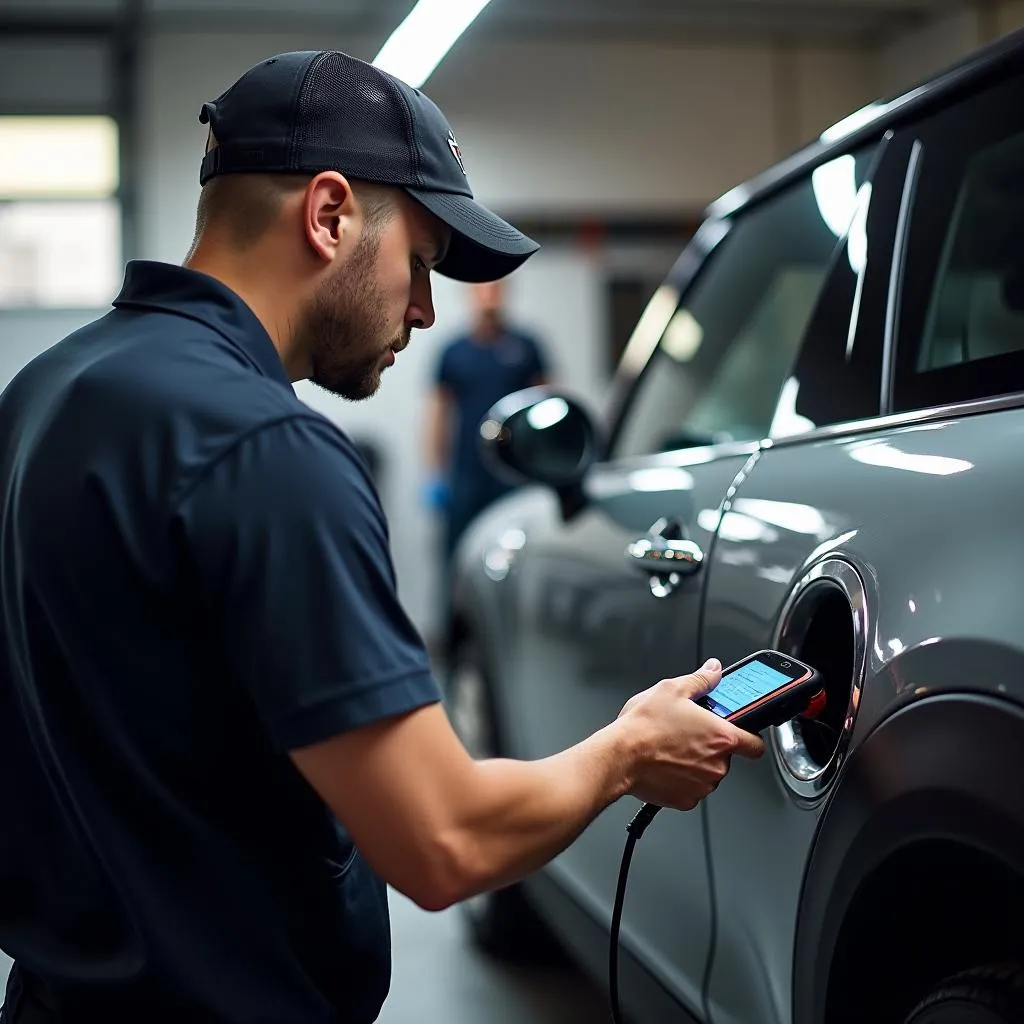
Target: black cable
[(709, 865), (635, 830)]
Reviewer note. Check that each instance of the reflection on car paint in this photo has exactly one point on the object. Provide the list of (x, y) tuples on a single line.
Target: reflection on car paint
[(883, 453)]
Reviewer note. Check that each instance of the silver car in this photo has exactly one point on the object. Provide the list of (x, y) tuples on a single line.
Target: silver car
[(822, 411)]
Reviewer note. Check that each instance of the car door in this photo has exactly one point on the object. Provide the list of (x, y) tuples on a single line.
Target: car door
[(601, 616), (855, 515)]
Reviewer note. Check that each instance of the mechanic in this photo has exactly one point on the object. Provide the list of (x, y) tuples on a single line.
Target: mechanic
[(220, 729), (476, 370)]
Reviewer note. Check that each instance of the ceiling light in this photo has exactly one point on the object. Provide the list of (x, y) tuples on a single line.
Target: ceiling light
[(58, 157), (420, 43)]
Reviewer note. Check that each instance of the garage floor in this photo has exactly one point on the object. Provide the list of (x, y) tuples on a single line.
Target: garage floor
[(437, 977)]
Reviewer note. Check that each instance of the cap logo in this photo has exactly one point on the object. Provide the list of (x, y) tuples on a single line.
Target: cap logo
[(453, 145)]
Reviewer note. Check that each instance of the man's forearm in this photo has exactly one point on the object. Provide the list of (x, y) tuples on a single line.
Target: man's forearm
[(440, 827), (530, 811)]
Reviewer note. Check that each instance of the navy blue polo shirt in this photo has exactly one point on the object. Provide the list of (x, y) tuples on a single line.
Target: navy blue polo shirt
[(478, 375), (195, 579)]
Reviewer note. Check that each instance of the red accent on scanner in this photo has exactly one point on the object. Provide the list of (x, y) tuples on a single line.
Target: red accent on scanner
[(816, 705)]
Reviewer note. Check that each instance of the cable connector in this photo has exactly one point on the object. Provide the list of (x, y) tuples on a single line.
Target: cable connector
[(642, 819)]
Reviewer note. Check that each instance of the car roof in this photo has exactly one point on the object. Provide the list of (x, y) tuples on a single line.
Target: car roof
[(875, 119)]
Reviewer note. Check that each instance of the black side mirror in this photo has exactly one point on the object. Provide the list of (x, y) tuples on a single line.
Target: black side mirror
[(544, 437)]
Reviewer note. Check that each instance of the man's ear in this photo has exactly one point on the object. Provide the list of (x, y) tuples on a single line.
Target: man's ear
[(330, 215)]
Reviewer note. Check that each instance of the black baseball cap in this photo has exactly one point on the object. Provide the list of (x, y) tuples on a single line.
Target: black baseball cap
[(321, 110)]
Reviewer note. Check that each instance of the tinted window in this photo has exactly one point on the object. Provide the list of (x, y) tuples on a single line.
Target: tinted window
[(838, 374), (730, 344), (962, 325)]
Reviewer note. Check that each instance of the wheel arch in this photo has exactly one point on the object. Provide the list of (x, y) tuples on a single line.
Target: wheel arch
[(935, 791)]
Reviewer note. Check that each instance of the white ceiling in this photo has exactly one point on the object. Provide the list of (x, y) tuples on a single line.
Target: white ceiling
[(847, 20)]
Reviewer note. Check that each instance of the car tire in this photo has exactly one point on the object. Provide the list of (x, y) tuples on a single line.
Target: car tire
[(501, 924), (990, 995)]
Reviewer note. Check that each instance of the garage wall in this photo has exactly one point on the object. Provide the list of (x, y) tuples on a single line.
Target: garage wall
[(68, 76), (598, 126), (914, 56), (1010, 16)]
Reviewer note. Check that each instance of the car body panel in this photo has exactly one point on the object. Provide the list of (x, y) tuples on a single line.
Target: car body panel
[(913, 510), (592, 634), (734, 912)]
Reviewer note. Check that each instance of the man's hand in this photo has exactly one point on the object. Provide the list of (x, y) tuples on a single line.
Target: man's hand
[(684, 751)]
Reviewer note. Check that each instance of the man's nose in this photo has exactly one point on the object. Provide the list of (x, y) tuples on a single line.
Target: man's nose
[(420, 313)]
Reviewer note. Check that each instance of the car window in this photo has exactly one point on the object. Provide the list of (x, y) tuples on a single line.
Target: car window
[(961, 334), (837, 377), (730, 343)]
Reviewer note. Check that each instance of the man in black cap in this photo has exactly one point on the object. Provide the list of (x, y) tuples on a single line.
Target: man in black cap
[(220, 729)]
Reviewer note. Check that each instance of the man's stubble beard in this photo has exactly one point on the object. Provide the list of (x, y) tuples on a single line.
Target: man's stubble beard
[(345, 327)]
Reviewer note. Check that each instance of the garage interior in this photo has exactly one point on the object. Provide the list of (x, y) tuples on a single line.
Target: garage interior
[(603, 129)]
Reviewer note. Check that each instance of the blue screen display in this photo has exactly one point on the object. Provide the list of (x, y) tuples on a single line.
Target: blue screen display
[(745, 685)]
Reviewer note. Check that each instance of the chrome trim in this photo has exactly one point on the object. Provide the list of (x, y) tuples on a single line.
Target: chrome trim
[(667, 558), (665, 561), (894, 420), (899, 252), (680, 458), (800, 772), (658, 555)]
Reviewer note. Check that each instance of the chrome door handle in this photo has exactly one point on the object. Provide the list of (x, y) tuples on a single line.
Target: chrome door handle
[(666, 559), (660, 555)]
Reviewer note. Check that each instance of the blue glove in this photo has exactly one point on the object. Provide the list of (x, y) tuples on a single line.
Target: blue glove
[(436, 494)]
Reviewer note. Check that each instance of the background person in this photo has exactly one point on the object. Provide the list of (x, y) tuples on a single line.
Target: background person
[(475, 370)]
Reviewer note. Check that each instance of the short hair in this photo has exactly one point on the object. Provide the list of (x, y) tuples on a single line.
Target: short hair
[(244, 206)]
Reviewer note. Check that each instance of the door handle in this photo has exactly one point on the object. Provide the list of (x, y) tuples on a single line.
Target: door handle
[(665, 558), (661, 555)]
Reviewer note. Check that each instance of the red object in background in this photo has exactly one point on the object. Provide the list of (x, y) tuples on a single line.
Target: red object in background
[(591, 235)]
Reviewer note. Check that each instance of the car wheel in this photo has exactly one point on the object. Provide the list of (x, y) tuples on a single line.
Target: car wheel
[(501, 923), (991, 995)]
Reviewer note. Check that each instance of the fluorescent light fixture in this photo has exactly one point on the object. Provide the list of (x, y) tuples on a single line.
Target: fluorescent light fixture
[(58, 157), (420, 43)]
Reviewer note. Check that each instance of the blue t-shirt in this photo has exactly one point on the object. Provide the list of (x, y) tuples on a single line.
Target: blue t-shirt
[(195, 579), (478, 375)]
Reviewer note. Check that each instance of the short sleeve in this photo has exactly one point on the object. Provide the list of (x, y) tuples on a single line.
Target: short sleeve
[(288, 545)]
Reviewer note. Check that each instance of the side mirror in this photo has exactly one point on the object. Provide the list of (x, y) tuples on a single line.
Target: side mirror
[(544, 437)]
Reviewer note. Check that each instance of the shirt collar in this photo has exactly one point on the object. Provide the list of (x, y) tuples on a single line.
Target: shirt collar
[(168, 288)]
